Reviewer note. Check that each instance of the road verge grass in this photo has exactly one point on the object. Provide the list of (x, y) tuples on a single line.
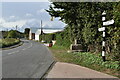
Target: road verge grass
[(7, 42), (86, 59)]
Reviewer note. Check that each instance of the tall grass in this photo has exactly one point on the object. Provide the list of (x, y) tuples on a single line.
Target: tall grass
[(8, 42)]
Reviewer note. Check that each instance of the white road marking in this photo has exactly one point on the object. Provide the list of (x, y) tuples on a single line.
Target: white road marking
[(22, 49), (28, 47), (13, 52)]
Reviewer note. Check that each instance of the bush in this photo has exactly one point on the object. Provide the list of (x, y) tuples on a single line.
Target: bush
[(89, 59), (8, 42), (12, 34), (62, 39), (15, 34), (47, 37)]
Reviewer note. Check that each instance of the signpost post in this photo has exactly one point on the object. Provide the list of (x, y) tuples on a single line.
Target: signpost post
[(104, 31)]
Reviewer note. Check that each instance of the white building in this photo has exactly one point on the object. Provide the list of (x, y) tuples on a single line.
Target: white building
[(32, 33), (35, 33)]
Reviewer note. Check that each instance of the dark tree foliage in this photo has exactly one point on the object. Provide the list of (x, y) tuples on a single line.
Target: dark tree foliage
[(4, 34), (14, 34), (83, 20), (26, 32)]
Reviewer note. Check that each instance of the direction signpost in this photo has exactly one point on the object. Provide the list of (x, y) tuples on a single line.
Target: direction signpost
[(105, 23), (108, 22), (101, 29)]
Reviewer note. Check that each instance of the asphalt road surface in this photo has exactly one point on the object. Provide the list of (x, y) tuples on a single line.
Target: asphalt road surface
[(31, 60)]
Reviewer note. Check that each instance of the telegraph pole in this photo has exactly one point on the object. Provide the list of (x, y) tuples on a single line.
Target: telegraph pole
[(7, 29), (41, 28), (16, 27)]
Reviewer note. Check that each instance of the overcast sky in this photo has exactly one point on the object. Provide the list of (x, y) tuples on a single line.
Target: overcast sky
[(26, 15)]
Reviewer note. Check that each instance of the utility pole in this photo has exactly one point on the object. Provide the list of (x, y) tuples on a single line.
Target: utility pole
[(7, 29), (41, 28), (16, 27), (41, 32)]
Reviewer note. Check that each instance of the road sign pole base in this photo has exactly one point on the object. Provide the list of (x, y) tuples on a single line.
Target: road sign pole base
[(103, 57)]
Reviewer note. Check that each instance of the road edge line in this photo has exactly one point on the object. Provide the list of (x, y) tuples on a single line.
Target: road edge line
[(48, 70)]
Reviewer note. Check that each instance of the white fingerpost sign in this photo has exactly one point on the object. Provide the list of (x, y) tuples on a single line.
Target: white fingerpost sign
[(105, 23), (108, 22), (101, 29)]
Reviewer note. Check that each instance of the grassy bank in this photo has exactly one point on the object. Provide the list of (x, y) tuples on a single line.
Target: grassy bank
[(86, 59), (7, 42)]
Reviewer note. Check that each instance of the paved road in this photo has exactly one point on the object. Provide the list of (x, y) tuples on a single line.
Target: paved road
[(30, 60)]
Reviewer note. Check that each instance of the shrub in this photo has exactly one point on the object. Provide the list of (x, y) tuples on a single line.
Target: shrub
[(8, 42), (47, 37)]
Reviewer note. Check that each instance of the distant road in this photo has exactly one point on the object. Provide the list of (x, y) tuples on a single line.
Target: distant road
[(30, 60)]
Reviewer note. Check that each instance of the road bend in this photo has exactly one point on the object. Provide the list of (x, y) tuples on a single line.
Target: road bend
[(31, 60)]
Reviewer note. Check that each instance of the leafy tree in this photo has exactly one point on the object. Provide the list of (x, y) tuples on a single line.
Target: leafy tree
[(15, 34), (115, 32), (4, 34), (84, 19), (26, 32), (12, 34)]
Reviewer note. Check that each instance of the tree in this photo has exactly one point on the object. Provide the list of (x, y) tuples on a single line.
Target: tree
[(115, 32), (26, 32), (4, 33), (12, 34), (84, 19)]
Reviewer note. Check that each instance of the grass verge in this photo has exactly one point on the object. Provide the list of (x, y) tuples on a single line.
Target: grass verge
[(7, 42), (86, 59)]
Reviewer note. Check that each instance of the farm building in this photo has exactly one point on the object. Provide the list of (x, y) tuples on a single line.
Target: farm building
[(35, 33), (32, 33)]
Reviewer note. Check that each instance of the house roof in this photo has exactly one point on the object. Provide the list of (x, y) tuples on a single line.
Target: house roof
[(38, 31), (50, 31)]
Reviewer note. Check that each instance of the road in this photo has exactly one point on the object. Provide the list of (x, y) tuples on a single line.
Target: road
[(31, 60)]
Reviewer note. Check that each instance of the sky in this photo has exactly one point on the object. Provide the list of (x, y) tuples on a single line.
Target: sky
[(26, 15)]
